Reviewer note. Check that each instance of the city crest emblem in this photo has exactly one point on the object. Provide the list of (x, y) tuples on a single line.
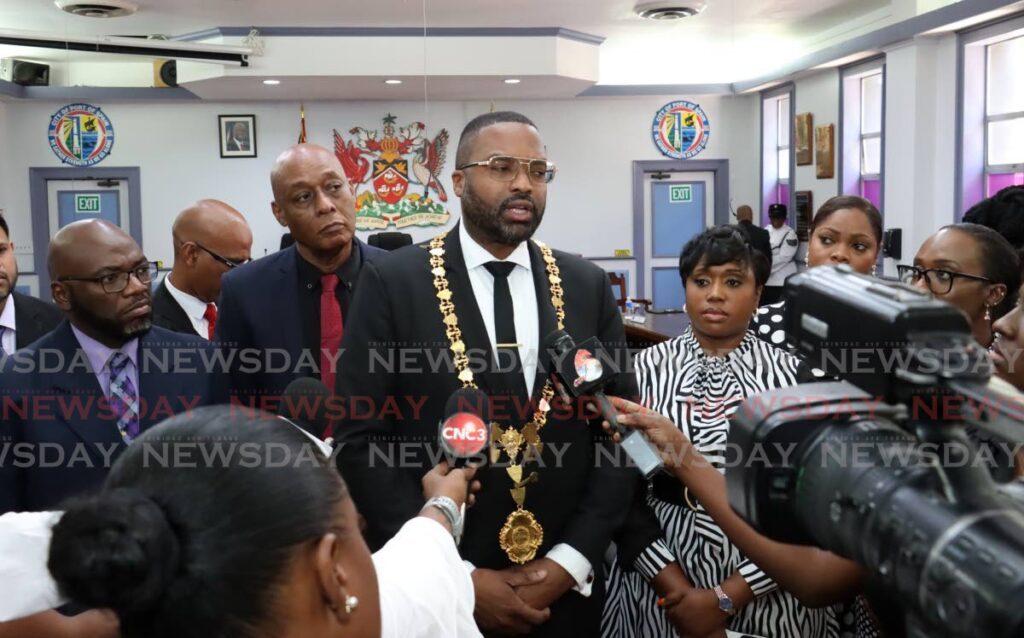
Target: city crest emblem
[(394, 172), (680, 129), (81, 134)]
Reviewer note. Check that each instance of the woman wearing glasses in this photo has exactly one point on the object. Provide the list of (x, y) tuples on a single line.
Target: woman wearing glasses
[(972, 267), (845, 230)]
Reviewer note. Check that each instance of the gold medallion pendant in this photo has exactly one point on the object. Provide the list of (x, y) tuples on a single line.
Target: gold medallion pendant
[(521, 536)]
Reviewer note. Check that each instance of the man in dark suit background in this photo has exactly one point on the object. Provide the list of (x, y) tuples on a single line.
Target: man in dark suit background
[(23, 319), (505, 303), (292, 305), (74, 399), (758, 236), (210, 238)]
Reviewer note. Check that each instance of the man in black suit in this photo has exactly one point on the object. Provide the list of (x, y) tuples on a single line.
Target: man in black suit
[(74, 399), (504, 290), (758, 236), (210, 238), (23, 319), (277, 305)]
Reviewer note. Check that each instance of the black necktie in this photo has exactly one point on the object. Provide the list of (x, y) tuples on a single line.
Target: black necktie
[(510, 366)]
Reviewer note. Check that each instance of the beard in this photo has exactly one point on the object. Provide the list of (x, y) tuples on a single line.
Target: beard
[(489, 221), (7, 285), (112, 328)]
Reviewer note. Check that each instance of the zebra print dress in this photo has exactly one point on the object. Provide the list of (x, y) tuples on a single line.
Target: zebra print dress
[(699, 393)]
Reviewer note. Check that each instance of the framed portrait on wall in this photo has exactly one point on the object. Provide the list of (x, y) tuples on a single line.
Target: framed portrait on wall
[(804, 129), (237, 135), (824, 151)]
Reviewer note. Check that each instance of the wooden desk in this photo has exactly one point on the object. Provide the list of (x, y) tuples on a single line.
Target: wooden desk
[(657, 328)]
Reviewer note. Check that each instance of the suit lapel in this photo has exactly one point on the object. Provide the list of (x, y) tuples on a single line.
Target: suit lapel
[(285, 295), (77, 386), (547, 319), (173, 311)]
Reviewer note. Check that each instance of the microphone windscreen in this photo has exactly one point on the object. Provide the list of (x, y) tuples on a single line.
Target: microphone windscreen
[(465, 431), (469, 400), (559, 341), (305, 402)]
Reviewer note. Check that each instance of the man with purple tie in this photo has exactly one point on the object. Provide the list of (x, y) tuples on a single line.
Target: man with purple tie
[(73, 400)]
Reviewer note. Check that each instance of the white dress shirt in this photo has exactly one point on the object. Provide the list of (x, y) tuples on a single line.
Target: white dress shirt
[(527, 320), (99, 355), (8, 341), (194, 307)]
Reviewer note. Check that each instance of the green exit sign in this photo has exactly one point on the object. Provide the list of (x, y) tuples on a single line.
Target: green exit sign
[(680, 193), (87, 203)]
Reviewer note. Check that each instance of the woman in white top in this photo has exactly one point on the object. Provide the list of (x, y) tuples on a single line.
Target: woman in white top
[(254, 536)]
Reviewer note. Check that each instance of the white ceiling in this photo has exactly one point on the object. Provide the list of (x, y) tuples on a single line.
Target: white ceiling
[(732, 40)]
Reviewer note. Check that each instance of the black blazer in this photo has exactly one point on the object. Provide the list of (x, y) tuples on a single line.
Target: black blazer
[(33, 318), (258, 310), (759, 239), (63, 415), (577, 501), (168, 313)]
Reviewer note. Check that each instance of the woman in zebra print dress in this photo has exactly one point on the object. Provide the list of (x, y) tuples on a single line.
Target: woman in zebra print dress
[(692, 385)]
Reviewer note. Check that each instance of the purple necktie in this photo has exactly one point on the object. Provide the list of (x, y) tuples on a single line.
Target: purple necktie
[(124, 400)]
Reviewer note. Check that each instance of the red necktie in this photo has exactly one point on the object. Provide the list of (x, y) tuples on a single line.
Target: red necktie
[(330, 329), (211, 319)]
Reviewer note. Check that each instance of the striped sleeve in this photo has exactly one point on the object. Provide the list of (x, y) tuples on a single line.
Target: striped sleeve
[(758, 581), (653, 559)]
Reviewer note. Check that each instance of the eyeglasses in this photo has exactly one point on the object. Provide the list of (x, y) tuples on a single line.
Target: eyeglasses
[(506, 169), (118, 281), (224, 260), (939, 281)]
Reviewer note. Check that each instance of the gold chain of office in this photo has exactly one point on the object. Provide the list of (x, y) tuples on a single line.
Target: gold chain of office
[(522, 534)]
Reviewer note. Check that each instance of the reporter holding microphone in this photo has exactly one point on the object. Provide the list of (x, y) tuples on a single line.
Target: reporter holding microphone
[(741, 581), (240, 548)]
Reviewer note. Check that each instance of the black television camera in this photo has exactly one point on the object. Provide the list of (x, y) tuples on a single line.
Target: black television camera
[(892, 467)]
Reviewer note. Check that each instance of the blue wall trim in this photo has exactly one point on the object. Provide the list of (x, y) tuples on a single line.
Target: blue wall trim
[(107, 93), (616, 90), (395, 32)]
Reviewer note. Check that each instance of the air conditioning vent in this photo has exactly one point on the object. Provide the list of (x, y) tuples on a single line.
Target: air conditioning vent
[(98, 8)]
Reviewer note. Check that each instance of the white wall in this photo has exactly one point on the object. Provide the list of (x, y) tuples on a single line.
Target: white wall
[(594, 141), (818, 95), (920, 141)]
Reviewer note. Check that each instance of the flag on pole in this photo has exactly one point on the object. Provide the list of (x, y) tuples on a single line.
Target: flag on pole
[(302, 126)]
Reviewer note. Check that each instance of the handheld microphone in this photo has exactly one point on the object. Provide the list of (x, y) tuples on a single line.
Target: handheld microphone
[(304, 403), (464, 431), (579, 369)]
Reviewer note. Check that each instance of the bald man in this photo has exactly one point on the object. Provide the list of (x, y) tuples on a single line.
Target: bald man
[(80, 394), (210, 238), (292, 304)]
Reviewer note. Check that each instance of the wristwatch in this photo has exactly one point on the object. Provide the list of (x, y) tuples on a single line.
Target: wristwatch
[(451, 511), (724, 602)]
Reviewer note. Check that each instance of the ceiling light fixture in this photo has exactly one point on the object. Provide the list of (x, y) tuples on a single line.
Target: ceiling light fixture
[(512, 81), (97, 8), (392, 81), (271, 82), (669, 9)]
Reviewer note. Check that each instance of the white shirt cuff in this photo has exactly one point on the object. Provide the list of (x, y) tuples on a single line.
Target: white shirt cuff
[(576, 564)]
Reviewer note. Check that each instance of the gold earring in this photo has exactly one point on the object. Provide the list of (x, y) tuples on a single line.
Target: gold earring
[(351, 602)]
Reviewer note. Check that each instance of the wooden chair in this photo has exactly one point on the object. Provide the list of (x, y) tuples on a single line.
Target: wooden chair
[(618, 281)]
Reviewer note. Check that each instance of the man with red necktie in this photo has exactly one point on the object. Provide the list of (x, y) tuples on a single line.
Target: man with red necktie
[(290, 306)]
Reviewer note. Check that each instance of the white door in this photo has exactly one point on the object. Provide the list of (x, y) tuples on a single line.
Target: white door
[(677, 206), (73, 200)]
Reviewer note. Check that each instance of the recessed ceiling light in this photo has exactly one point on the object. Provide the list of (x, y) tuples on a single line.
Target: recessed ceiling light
[(392, 81), (97, 8), (512, 81), (669, 9), (271, 82)]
